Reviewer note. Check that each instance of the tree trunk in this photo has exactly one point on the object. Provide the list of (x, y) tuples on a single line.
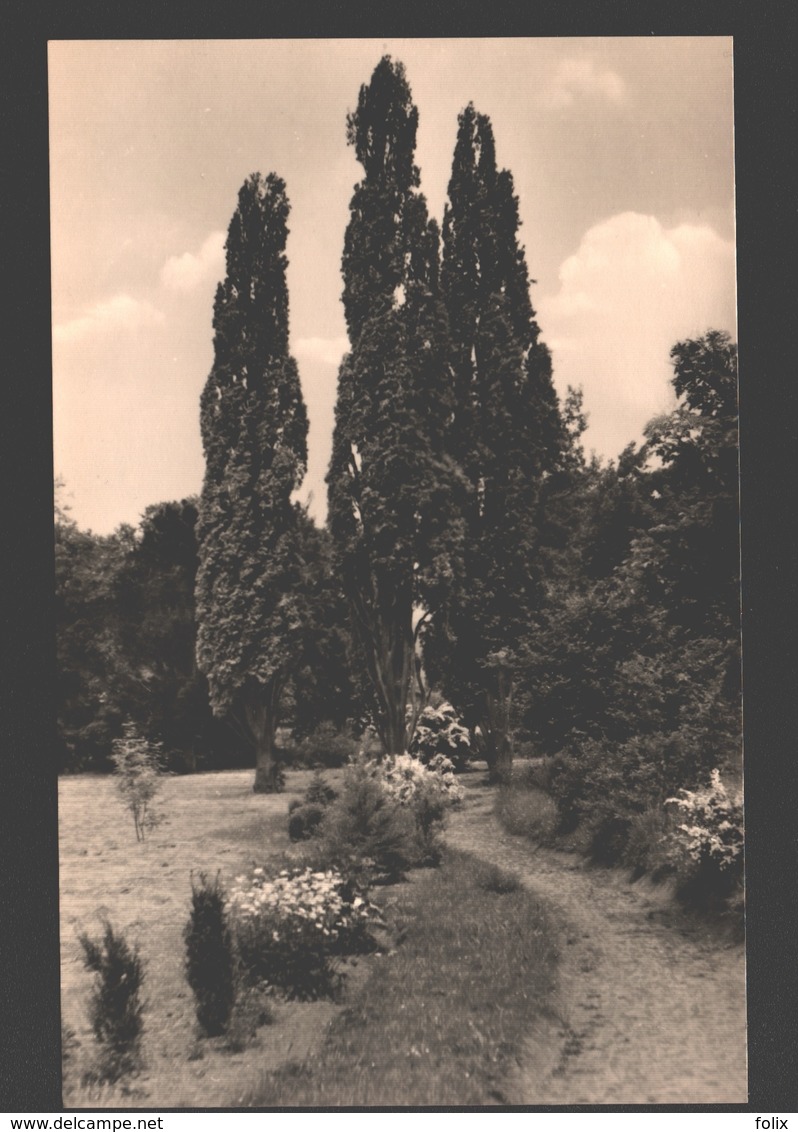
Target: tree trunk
[(260, 707), (389, 645), (496, 730)]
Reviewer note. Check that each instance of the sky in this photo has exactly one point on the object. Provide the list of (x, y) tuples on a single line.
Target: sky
[(622, 154)]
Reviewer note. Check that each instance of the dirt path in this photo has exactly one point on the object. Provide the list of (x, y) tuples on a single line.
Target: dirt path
[(649, 1009)]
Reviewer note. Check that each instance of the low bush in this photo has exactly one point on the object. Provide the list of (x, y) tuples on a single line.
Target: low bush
[(289, 928), (648, 849), (425, 790), (326, 746), (388, 816), (602, 788), (607, 836), (527, 812), (115, 1007), (709, 844), (304, 820), (367, 832), (210, 958), (305, 815), (439, 731), (493, 878), (319, 792), (539, 773)]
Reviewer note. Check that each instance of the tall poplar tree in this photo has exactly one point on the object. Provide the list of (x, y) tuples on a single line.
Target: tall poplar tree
[(254, 434), (391, 481), (507, 436)]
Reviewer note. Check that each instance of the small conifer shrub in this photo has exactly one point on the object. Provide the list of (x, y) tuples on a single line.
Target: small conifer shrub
[(115, 1008), (210, 958)]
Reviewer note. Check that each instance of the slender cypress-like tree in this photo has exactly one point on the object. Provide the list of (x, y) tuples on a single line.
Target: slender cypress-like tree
[(254, 433), (506, 436), (391, 481)]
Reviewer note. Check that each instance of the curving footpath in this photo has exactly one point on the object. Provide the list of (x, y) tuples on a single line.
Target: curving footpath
[(650, 1009)]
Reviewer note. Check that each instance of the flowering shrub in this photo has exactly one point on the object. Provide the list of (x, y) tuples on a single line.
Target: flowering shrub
[(708, 846), (365, 832), (712, 830), (289, 928), (424, 791), (440, 732), (407, 780)]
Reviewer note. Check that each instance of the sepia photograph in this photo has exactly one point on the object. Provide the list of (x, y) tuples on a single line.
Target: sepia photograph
[(397, 571)]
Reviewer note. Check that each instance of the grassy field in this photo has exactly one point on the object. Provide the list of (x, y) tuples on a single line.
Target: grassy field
[(437, 1021), (440, 1020), (214, 822)]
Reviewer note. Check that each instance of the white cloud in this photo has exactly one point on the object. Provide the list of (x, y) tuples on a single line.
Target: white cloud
[(631, 291), (327, 350), (575, 77), (188, 271), (118, 314)]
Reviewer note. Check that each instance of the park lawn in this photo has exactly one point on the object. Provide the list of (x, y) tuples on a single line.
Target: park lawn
[(439, 1020), (214, 823)]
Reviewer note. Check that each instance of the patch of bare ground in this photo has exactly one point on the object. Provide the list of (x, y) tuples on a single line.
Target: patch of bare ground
[(650, 1007)]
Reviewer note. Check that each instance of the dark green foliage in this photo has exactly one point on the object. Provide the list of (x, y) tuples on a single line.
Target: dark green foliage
[(364, 830), (506, 436), (325, 745), (709, 887), (319, 791), (633, 679), (439, 731), (493, 878), (526, 811), (126, 639), (210, 959), (305, 816), (324, 693), (391, 481), (92, 669), (250, 612), (167, 695), (115, 1008), (648, 842), (304, 819)]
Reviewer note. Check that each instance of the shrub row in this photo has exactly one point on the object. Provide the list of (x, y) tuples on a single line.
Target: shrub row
[(613, 806)]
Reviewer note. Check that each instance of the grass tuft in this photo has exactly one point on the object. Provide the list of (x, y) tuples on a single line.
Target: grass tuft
[(440, 1020)]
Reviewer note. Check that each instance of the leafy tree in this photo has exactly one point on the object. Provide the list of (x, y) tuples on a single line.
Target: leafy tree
[(324, 687), (254, 433), (635, 672), (90, 662), (507, 437), (391, 481), (165, 693)]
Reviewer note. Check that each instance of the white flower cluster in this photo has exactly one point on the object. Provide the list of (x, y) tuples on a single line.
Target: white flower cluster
[(296, 900), (440, 726), (404, 778), (713, 825)]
